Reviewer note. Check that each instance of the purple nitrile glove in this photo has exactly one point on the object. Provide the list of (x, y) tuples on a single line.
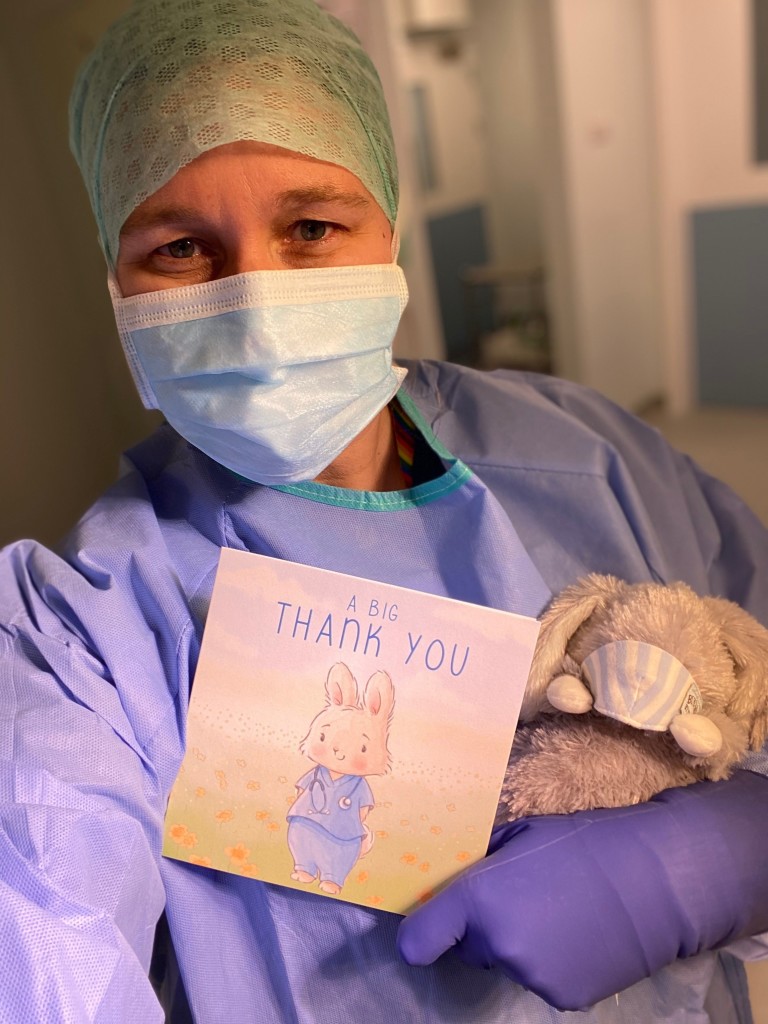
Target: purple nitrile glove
[(576, 907)]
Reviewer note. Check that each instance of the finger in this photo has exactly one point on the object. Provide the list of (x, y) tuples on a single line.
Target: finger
[(475, 954), (432, 929)]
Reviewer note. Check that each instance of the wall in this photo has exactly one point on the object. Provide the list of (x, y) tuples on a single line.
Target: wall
[(447, 69), (644, 116), (68, 405), (444, 66), (504, 31), (703, 112), (599, 197)]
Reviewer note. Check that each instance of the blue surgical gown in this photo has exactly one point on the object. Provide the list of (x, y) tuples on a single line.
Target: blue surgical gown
[(99, 642)]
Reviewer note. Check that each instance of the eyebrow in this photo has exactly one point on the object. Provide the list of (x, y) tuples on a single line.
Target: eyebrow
[(322, 194), (140, 219), (294, 198)]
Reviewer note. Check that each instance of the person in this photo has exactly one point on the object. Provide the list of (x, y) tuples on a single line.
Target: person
[(240, 165)]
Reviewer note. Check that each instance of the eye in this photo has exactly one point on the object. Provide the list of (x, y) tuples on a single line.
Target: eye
[(180, 249), (311, 230), (363, 749), (322, 737)]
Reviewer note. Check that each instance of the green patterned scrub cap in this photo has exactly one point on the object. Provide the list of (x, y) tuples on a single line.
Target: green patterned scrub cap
[(174, 78)]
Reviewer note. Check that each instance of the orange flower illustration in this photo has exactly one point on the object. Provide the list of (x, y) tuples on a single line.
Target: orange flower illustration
[(250, 870), (362, 877), (239, 853), (376, 900), (435, 830), (222, 816), (180, 834), (425, 866), (425, 896), (463, 855), (273, 826), (203, 862), (252, 784), (177, 832), (200, 791), (261, 815), (409, 858)]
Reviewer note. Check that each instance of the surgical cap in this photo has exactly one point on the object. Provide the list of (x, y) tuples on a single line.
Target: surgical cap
[(174, 78)]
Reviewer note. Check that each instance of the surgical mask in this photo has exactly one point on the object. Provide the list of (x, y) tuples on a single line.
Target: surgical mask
[(271, 373)]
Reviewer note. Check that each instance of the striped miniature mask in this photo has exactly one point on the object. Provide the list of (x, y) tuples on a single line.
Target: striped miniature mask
[(640, 684)]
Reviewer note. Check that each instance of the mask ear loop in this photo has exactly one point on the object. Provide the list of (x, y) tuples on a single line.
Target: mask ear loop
[(394, 250), (399, 371)]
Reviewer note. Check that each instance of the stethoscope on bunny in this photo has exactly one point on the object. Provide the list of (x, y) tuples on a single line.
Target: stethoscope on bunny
[(316, 783)]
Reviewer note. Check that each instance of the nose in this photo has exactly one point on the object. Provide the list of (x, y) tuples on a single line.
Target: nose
[(251, 254)]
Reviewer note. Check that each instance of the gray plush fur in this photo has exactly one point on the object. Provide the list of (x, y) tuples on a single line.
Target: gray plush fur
[(561, 762)]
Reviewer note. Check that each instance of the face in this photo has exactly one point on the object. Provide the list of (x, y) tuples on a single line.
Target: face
[(343, 742), (249, 206)]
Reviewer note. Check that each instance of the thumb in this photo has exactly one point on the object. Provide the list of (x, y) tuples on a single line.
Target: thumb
[(428, 932)]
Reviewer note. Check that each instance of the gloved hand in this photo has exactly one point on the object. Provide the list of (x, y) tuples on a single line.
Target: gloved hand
[(577, 907)]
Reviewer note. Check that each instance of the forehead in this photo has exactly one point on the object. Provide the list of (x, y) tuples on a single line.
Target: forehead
[(172, 79), (252, 178)]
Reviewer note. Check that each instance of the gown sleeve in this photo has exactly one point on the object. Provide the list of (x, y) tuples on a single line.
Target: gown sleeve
[(81, 801), (693, 524)]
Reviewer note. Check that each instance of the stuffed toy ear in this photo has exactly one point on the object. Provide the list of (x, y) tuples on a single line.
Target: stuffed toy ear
[(747, 642), (569, 610)]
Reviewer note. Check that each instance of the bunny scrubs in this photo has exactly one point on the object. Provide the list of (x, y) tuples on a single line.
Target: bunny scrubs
[(99, 647), (325, 830)]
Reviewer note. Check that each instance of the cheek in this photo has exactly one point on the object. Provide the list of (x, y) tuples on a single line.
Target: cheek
[(358, 764), (315, 750)]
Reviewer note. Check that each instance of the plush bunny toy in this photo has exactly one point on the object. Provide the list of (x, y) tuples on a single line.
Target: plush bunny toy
[(635, 688)]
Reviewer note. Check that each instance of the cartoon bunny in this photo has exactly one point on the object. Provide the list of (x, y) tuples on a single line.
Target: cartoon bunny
[(347, 741)]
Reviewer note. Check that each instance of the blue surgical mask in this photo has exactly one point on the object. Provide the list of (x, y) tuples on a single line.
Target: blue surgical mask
[(272, 373)]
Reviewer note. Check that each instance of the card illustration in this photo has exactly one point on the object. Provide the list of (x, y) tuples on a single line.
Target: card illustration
[(347, 741), (345, 737)]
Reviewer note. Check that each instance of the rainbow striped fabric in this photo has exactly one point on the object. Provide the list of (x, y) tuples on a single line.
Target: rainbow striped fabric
[(405, 438)]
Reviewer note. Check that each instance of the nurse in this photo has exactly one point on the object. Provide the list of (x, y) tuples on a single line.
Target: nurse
[(240, 165)]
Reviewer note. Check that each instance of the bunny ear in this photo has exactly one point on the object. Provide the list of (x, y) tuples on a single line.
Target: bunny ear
[(341, 687), (379, 696), (747, 642), (570, 609)]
